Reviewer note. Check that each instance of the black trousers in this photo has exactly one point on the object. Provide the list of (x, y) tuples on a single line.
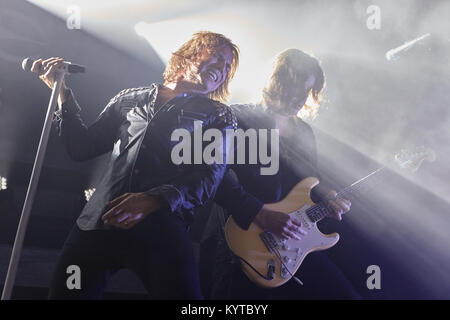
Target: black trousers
[(158, 250)]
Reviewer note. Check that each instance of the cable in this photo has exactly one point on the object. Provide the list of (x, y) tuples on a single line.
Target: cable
[(287, 269), (277, 253), (253, 268)]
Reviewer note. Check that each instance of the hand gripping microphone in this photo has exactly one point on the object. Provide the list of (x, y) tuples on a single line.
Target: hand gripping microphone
[(27, 63)]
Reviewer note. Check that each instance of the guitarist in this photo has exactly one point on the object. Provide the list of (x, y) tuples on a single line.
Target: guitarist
[(296, 76)]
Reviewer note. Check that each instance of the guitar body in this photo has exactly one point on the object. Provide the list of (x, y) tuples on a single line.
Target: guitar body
[(277, 261), (251, 245)]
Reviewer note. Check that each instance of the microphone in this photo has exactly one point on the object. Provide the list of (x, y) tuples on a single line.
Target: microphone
[(27, 63), (395, 53)]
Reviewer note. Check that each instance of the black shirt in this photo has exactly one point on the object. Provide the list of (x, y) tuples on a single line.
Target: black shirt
[(298, 160)]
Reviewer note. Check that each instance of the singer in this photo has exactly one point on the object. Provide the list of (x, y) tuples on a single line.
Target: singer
[(139, 215)]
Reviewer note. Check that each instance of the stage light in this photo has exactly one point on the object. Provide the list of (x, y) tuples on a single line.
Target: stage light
[(254, 65), (88, 193), (3, 183)]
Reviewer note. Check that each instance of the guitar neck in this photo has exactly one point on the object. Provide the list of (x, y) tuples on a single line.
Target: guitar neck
[(321, 210)]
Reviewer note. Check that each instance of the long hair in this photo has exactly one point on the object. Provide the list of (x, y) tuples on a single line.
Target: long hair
[(192, 50), (292, 69)]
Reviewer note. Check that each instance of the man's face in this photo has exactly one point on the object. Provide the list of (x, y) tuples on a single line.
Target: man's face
[(211, 70), (298, 99)]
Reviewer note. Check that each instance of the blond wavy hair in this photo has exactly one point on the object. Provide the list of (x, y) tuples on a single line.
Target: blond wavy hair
[(292, 69), (192, 51)]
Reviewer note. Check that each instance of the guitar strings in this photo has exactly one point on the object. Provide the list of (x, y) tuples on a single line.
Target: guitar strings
[(320, 210)]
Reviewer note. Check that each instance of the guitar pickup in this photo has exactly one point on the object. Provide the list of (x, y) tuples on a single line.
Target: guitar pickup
[(269, 241)]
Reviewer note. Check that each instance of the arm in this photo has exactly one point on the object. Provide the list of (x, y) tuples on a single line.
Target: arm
[(190, 189), (198, 184), (245, 209), (319, 192), (307, 158), (82, 142), (323, 192), (242, 205)]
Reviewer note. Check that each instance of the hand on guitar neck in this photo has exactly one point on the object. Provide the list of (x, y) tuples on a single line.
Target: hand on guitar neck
[(286, 227), (338, 206)]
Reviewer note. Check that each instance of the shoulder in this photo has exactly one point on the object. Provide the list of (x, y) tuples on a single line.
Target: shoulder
[(225, 113), (137, 94), (242, 109), (303, 126), (216, 110), (249, 115)]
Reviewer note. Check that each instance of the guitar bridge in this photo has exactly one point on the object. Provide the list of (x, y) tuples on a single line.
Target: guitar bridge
[(269, 240), (270, 269)]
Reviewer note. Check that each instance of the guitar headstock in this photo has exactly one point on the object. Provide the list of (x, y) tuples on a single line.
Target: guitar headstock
[(413, 159)]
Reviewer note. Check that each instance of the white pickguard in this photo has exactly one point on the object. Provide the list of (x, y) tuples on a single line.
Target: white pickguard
[(292, 251)]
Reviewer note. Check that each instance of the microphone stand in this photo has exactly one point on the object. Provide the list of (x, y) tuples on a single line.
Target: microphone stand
[(39, 160)]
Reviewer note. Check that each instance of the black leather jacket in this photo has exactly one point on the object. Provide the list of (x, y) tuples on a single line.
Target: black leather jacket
[(140, 140)]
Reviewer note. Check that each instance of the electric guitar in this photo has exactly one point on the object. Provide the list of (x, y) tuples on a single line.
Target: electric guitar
[(269, 261)]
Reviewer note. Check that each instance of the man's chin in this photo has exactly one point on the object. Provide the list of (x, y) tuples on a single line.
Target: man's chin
[(210, 89)]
